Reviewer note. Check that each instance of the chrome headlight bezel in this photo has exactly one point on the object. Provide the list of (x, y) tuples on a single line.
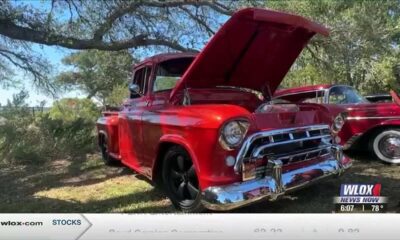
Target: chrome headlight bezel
[(338, 122), (232, 133)]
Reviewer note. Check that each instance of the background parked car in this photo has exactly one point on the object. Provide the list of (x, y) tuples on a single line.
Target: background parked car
[(372, 125)]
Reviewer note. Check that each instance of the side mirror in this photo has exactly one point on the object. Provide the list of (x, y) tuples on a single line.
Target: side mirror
[(134, 89)]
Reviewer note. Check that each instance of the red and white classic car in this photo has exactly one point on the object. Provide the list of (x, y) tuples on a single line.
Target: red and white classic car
[(202, 126), (376, 125)]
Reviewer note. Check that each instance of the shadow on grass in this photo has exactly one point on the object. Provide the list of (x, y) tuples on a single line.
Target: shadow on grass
[(125, 202), (19, 186), (59, 173)]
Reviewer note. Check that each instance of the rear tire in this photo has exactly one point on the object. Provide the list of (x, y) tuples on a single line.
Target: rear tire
[(108, 160), (180, 181), (386, 145)]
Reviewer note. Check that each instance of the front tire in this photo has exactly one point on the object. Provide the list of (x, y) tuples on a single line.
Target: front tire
[(180, 180), (386, 146)]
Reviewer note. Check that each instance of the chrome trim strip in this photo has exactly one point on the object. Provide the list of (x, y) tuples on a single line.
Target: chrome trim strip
[(291, 136), (277, 175), (312, 150), (326, 95), (250, 139), (361, 118), (297, 93), (261, 148)]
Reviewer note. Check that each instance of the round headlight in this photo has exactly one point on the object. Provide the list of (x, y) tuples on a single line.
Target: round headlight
[(233, 132), (338, 123)]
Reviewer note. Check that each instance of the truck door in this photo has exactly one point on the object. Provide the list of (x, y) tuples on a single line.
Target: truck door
[(130, 121)]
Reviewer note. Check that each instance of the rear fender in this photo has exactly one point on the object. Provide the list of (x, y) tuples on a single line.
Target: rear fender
[(391, 122), (108, 127), (364, 137)]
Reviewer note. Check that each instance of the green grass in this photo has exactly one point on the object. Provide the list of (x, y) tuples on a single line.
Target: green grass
[(89, 186), (82, 186)]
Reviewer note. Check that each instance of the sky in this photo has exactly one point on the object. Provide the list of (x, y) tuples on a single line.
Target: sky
[(53, 55)]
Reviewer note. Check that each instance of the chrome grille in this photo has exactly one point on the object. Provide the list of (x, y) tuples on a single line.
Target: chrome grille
[(304, 156), (288, 145)]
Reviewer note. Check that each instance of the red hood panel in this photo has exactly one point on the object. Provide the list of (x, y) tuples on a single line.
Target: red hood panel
[(254, 48)]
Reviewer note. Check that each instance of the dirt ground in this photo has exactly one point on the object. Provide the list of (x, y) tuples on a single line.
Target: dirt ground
[(86, 185)]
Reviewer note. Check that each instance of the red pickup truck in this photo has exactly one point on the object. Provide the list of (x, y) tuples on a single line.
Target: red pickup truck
[(203, 126)]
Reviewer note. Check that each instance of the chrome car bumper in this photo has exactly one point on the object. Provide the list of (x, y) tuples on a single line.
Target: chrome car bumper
[(223, 198)]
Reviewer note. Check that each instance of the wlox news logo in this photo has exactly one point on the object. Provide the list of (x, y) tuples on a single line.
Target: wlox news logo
[(360, 193)]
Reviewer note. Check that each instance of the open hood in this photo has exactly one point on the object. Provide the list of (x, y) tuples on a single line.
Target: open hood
[(395, 97), (254, 49)]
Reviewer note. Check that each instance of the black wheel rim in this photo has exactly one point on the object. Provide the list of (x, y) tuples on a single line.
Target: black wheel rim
[(390, 146), (182, 179)]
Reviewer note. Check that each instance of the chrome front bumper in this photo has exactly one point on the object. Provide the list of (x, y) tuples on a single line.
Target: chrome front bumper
[(223, 198)]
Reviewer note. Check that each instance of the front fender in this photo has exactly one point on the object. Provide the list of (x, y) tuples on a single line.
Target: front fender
[(180, 140), (196, 128)]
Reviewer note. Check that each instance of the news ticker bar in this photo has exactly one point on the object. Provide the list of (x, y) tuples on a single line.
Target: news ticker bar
[(199, 226)]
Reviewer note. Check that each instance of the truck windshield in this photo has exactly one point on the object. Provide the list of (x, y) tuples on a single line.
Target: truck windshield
[(345, 95), (169, 72)]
